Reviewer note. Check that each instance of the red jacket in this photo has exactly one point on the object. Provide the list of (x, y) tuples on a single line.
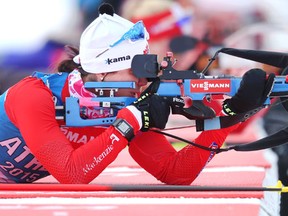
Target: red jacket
[(78, 155)]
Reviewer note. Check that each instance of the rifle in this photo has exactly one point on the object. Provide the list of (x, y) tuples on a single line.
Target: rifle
[(192, 84)]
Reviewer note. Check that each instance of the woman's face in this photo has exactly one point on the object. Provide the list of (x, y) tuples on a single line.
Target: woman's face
[(120, 76)]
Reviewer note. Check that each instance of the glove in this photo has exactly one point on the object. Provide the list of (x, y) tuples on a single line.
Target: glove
[(150, 109), (155, 110), (149, 104), (253, 91)]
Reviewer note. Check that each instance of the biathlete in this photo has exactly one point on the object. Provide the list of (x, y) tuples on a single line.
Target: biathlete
[(33, 144)]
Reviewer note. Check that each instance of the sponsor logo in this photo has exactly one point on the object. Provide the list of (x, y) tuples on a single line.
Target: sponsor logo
[(119, 59), (178, 100), (213, 86), (76, 137), (98, 159), (114, 138)]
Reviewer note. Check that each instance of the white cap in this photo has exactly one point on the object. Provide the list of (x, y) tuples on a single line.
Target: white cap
[(96, 53)]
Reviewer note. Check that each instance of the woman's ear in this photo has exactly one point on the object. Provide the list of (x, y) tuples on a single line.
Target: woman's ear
[(102, 77)]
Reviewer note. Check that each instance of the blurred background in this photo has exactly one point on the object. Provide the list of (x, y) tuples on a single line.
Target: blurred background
[(33, 34)]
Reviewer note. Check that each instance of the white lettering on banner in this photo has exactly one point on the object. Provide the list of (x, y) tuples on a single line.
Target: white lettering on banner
[(23, 154), (83, 139), (54, 98), (33, 162), (76, 137), (11, 144), (98, 159), (19, 154), (73, 137), (17, 172)]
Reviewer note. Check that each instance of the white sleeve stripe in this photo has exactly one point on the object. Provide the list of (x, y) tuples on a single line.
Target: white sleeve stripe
[(136, 113)]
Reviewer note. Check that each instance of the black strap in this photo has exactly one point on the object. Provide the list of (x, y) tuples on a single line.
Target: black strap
[(276, 139)]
